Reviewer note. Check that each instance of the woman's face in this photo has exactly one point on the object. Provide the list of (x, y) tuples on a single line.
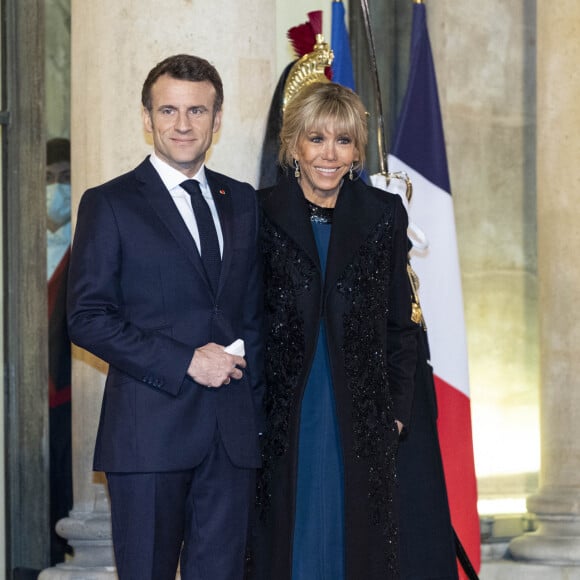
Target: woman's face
[(325, 156)]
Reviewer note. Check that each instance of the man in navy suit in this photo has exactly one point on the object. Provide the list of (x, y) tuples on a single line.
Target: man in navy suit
[(164, 274)]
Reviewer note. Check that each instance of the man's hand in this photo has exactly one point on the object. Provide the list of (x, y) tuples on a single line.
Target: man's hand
[(213, 367)]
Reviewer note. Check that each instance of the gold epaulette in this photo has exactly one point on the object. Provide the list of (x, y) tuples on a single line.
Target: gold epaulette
[(416, 311)]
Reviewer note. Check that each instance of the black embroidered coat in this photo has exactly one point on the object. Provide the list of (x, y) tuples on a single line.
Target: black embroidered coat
[(365, 303)]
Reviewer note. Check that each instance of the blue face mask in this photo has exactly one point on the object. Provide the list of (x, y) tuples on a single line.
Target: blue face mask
[(58, 203)]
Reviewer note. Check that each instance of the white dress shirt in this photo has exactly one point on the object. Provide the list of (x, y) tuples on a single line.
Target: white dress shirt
[(171, 179)]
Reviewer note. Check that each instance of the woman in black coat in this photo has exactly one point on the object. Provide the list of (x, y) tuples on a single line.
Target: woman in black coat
[(340, 352)]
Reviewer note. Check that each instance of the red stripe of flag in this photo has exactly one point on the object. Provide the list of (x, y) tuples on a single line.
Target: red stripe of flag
[(454, 429)]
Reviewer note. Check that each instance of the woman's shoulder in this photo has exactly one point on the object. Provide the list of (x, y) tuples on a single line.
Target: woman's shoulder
[(265, 192), (391, 200), (380, 193), (274, 193)]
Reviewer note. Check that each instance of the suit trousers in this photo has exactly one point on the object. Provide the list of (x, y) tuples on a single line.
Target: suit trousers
[(200, 515)]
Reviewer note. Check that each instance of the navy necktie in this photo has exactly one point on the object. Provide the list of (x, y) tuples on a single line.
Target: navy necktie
[(210, 248)]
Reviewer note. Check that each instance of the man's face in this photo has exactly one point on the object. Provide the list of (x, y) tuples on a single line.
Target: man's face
[(182, 122), (58, 172)]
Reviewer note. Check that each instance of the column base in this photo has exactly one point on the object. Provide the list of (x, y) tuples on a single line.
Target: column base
[(89, 535), (556, 541), (509, 570), (68, 571)]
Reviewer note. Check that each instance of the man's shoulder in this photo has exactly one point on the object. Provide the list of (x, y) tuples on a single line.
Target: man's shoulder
[(141, 172), (221, 179), (126, 182)]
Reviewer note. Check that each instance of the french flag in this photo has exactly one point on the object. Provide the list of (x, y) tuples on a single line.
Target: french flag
[(419, 150), (342, 71)]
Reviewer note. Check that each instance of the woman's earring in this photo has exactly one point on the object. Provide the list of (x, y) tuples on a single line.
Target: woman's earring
[(350, 173), (296, 169)]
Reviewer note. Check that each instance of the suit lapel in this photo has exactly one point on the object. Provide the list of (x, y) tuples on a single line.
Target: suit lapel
[(222, 197), (356, 214), (285, 206), (155, 193)]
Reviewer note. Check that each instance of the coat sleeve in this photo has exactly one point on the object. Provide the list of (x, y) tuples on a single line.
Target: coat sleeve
[(253, 324), (95, 308), (401, 331)]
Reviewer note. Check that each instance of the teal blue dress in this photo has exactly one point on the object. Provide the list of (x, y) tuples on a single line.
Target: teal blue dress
[(318, 546)]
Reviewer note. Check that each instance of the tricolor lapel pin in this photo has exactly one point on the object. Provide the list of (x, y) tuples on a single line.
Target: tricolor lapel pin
[(222, 191)]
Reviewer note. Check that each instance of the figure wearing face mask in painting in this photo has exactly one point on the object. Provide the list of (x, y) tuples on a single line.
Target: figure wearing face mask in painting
[(58, 238)]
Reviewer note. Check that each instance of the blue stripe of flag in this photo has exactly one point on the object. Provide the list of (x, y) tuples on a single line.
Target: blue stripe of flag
[(419, 141), (342, 72)]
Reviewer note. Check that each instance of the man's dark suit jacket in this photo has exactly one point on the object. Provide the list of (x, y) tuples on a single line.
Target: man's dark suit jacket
[(139, 299)]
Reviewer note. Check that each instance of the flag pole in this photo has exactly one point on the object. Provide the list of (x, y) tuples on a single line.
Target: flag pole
[(378, 100), (383, 165)]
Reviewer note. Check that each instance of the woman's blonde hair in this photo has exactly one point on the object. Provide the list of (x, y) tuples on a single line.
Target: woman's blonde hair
[(316, 106)]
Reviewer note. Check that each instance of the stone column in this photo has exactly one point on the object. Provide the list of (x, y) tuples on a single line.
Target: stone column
[(88, 527), (114, 45), (557, 503)]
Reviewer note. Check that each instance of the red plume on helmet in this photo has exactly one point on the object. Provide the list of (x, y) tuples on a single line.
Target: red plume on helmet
[(303, 36)]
